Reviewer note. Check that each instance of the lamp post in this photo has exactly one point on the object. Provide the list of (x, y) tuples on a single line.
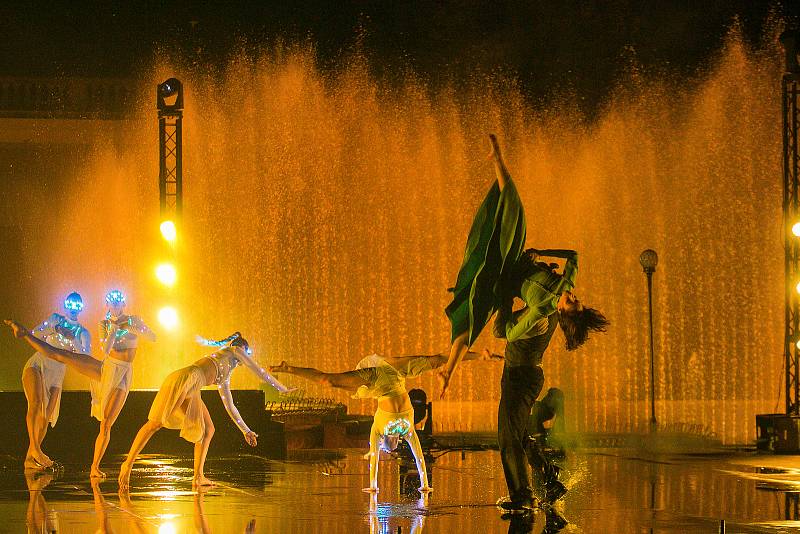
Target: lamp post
[(649, 260)]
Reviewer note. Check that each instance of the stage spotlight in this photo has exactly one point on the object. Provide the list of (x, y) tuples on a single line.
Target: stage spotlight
[(168, 317), (166, 274), (796, 229), (169, 96), (168, 231)]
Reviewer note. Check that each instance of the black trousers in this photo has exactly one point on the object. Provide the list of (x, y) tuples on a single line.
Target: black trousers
[(519, 387)]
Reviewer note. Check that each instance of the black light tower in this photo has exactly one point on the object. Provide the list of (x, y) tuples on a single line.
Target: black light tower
[(781, 432), (169, 98), (649, 259)]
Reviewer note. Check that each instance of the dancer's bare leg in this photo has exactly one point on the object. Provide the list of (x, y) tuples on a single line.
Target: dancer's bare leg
[(83, 363), (201, 450), (142, 437), (35, 419), (115, 403), (458, 350), (349, 380)]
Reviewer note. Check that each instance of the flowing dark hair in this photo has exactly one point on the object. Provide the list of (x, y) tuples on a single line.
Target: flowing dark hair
[(576, 326), (510, 287)]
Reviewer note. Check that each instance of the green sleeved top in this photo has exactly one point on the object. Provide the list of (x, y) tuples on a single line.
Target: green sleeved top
[(541, 292)]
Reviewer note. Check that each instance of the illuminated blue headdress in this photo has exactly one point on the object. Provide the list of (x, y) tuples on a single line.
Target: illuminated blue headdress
[(115, 296), (73, 302), (234, 339)]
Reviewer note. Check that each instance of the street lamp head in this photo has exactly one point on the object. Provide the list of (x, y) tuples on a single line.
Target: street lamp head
[(649, 260)]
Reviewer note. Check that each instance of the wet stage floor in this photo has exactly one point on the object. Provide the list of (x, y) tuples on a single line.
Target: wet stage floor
[(611, 491)]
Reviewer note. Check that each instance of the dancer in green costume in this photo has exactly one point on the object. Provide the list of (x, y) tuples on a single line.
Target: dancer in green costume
[(495, 241)]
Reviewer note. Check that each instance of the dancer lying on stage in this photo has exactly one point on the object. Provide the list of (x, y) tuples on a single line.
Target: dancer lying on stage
[(119, 338), (383, 378), (178, 404), (42, 377), (495, 272)]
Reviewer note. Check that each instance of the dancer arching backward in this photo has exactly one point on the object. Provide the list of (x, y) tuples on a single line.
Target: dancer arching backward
[(383, 378), (42, 377), (494, 273), (119, 335), (178, 404)]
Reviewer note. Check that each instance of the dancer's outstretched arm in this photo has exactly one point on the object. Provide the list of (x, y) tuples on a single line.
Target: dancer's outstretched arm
[(374, 455), (414, 365), (419, 458), (83, 363), (260, 372), (140, 327), (227, 400)]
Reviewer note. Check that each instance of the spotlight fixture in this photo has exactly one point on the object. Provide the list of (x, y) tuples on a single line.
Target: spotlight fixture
[(169, 96)]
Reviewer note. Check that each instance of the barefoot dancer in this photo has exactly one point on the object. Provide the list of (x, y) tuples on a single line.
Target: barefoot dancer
[(42, 377), (383, 378), (119, 338), (178, 404)]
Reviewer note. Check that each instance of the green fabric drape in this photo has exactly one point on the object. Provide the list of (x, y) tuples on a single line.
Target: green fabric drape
[(494, 244)]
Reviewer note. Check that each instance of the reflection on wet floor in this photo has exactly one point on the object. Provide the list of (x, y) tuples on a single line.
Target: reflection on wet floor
[(611, 490)]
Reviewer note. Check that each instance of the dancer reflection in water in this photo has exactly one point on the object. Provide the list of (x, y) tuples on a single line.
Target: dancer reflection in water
[(42, 377), (383, 378), (119, 335), (495, 272), (178, 404)]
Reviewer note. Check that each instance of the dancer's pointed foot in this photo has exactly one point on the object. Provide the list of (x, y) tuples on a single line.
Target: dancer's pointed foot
[(38, 461), (16, 328), (443, 377), (202, 481), (282, 368)]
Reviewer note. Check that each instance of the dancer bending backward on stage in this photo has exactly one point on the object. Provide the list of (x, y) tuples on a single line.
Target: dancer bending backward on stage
[(383, 378), (42, 377), (119, 335), (178, 404), (494, 273)]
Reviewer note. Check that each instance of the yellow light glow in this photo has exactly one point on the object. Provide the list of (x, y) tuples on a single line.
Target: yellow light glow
[(169, 231), (167, 528), (168, 317), (796, 229), (798, 344), (166, 274)]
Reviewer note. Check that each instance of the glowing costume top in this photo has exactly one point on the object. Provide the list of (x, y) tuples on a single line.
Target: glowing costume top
[(121, 333), (225, 361), (541, 292), (64, 333), (385, 380)]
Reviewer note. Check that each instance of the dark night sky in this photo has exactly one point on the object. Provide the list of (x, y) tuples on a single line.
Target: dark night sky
[(550, 45)]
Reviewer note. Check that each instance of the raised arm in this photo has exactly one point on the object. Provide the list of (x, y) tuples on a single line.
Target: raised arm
[(527, 322), (259, 371), (138, 325), (108, 335), (84, 342), (500, 170)]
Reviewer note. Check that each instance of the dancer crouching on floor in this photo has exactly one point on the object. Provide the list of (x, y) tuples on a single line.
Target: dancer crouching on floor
[(383, 378), (178, 404)]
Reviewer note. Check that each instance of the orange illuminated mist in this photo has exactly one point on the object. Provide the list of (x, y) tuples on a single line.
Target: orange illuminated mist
[(325, 214)]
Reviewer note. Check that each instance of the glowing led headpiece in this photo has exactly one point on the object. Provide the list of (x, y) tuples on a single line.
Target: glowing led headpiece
[(235, 340), (73, 302), (115, 297)]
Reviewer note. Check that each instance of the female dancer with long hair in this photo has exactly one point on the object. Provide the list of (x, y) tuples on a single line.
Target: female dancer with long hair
[(119, 336), (383, 378), (495, 272), (178, 404), (42, 377)]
